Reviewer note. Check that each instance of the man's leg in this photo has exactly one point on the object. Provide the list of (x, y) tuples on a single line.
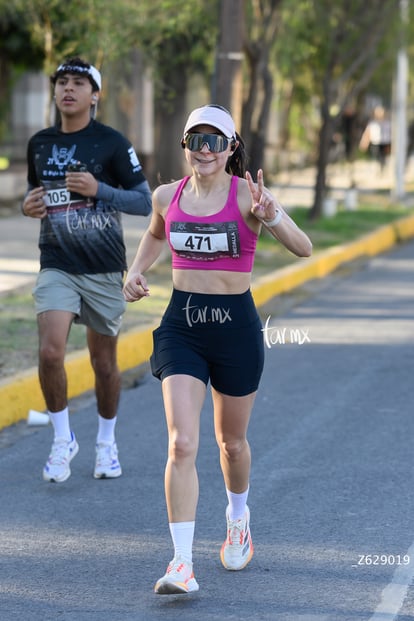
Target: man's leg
[(102, 350), (54, 327)]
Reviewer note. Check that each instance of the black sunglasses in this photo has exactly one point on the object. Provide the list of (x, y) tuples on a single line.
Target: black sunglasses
[(215, 142)]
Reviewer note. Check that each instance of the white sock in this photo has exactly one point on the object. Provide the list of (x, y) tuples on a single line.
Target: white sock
[(60, 422), (237, 504), (182, 534), (106, 430)]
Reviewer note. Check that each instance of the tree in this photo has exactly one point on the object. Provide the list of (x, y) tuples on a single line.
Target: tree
[(346, 42), (263, 21), (176, 37), (179, 39), (15, 54), (43, 32), (227, 89), (322, 50)]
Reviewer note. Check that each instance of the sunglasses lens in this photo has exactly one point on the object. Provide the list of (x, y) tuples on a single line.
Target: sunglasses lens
[(215, 142)]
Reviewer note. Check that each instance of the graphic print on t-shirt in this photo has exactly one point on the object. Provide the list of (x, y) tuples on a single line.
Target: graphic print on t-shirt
[(61, 157), (204, 241), (82, 235), (70, 210)]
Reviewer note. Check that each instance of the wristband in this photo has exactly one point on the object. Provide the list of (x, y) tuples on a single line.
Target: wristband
[(275, 220)]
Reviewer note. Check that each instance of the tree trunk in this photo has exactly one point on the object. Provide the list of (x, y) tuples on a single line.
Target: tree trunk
[(325, 137), (258, 137), (227, 88), (5, 112), (171, 115), (253, 59), (259, 98)]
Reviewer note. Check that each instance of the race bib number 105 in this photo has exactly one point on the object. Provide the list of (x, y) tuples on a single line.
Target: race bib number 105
[(57, 197)]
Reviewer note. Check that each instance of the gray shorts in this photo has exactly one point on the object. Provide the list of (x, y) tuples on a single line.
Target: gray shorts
[(95, 299)]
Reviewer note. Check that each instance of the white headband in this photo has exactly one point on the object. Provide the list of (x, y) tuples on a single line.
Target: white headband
[(91, 71)]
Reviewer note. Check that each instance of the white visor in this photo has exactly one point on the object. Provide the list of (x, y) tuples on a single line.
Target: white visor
[(211, 115)]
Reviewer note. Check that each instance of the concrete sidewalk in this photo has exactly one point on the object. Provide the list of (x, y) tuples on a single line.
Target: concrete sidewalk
[(19, 265)]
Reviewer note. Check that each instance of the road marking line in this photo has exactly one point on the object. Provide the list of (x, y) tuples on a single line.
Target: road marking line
[(394, 594)]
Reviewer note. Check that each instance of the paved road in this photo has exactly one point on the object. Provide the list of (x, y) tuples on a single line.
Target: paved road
[(332, 484)]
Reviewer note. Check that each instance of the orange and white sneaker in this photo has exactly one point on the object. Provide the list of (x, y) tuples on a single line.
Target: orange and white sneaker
[(237, 550), (179, 578)]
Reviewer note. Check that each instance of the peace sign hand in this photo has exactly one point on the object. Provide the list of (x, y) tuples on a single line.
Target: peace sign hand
[(264, 205)]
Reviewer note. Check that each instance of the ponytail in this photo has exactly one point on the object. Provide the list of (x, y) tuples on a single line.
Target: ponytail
[(237, 162)]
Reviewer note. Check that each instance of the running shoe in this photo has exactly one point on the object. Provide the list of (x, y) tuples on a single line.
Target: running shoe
[(179, 578), (237, 550), (57, 468), (107, 464)]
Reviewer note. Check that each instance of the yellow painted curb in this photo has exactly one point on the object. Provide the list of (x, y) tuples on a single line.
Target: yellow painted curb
[(22, 393)]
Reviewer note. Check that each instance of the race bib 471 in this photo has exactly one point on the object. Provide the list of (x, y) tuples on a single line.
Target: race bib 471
[(205, 241)]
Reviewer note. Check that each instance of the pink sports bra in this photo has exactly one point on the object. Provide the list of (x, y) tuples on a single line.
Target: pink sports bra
[(222, 241)]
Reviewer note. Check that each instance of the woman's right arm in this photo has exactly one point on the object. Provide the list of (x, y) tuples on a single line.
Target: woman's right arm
[(149, 249)]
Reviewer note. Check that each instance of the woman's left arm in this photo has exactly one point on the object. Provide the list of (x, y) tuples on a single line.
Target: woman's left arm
[(272, 215)]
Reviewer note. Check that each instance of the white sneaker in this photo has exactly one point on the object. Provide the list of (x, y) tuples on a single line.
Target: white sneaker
[(179, 578), (107, 464), (57, 468), (237, 550)]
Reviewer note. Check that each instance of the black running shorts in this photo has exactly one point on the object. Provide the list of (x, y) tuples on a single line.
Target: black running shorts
[(211, 337)]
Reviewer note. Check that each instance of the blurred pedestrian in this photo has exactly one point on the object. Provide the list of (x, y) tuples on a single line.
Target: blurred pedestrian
[(376, 137), (81, 175), (348, 126), (211, 330)]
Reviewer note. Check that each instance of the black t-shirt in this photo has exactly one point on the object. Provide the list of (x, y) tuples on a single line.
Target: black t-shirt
[(80, 235)]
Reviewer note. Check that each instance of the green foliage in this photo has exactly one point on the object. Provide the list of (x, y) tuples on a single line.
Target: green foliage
[(181, 42), (318, 43), (79, 27), (171, 34), (319, 34), (15, 31), (99, 29)]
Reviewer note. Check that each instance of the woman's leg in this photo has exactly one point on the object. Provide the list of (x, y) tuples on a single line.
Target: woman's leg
[(231, 420), (183, 399)]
